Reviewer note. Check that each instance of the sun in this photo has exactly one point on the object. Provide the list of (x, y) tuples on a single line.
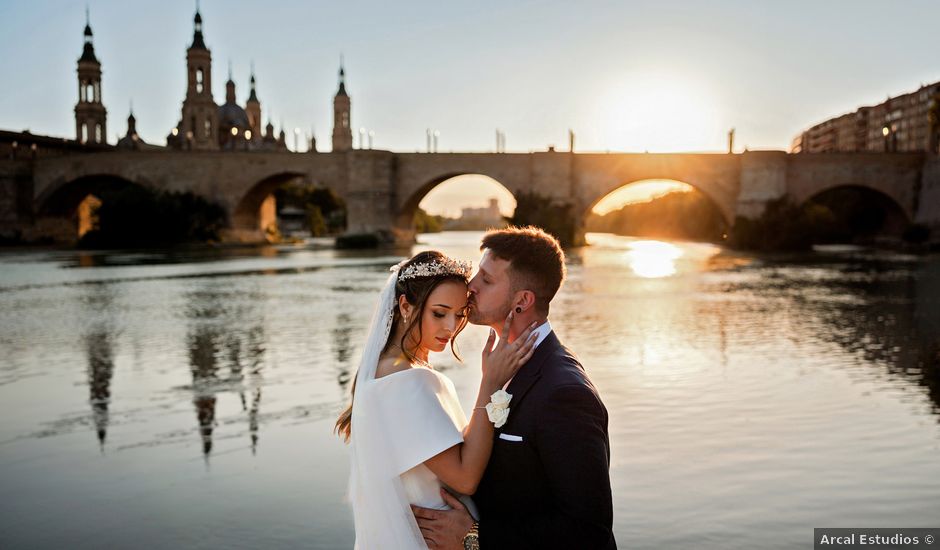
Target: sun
[(660, 113)]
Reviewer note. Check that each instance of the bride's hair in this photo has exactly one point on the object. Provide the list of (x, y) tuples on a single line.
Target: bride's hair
[(416, 290)]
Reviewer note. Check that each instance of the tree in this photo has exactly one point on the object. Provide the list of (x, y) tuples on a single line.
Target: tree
[(784, 225), (427, 223), (556, 218), (676, 215), (331, 218)]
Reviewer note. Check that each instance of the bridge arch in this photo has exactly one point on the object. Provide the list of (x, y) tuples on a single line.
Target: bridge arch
[(693, 215), (705, 191), (862, 210), (64, 211), (256, 209), (716, 176), (409, 206), (64, 196)]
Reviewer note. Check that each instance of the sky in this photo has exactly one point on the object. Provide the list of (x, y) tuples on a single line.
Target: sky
[(623, 75)]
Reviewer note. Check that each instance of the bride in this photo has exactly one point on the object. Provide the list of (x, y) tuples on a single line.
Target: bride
[(409, 436)]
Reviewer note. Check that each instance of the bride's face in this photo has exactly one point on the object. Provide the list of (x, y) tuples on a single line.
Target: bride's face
[(445, 312)]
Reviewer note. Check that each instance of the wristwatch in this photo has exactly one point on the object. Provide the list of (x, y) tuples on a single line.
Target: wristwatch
[(471, 541)]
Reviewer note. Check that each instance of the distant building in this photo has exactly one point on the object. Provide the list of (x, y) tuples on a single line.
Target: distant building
[(488, 215), (906, 123)]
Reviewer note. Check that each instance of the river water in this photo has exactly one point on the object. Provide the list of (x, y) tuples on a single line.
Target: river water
[(185, 399)]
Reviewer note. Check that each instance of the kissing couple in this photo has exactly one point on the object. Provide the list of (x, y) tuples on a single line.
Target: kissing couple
[(535, 454)]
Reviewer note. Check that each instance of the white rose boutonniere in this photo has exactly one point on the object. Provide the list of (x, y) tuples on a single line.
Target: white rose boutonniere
[(498, 408)]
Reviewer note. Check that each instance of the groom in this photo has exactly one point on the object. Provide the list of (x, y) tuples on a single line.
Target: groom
[(547, 484)]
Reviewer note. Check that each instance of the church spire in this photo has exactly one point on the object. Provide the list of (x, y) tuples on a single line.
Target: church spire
[(253, 106), (198, 42), (131, 120), (252, 96), (88, 53), (230, 86), (342, 77)]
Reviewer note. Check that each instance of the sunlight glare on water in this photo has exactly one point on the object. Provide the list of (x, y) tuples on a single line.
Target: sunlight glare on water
[(653, 259)]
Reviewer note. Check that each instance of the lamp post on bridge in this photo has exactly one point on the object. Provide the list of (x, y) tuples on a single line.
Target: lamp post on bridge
[(891, 138)]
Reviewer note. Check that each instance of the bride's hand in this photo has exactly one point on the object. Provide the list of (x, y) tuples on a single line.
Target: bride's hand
[(501, 363)]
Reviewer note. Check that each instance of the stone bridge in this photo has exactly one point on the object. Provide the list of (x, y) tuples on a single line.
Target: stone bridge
[(382, 189)]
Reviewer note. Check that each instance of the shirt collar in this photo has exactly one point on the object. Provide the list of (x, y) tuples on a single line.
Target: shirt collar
[(543, 331)]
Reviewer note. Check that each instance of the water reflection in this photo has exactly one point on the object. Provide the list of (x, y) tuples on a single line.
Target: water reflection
[(226, 343), (885, 312), (98, 346), (99, 349), (342, 333)]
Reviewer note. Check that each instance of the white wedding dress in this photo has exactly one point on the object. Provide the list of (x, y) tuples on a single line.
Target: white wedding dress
[(398, 421)]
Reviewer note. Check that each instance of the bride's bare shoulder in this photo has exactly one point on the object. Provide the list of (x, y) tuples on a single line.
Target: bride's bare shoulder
[(390, 365)]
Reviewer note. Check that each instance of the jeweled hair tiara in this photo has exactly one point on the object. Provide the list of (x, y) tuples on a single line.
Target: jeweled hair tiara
[(434, 268)]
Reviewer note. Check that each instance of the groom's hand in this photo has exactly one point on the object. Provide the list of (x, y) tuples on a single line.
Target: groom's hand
[(444, 529)]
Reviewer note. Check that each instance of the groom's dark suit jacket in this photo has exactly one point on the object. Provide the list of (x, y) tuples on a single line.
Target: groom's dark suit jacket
[(552, 489)]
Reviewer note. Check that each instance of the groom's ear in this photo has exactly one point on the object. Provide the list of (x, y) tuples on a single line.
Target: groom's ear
[(524, 300)]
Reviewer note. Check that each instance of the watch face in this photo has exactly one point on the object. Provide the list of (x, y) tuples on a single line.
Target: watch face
[(471, 542)]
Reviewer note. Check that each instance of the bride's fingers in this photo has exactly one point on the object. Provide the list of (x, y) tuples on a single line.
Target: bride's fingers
[(488, 347), (525, 353), (528, 353), (526, 343), (504, 336), (524, 336)]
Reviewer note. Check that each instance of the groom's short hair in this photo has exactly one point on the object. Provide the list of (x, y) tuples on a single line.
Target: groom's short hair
[(536, 261)]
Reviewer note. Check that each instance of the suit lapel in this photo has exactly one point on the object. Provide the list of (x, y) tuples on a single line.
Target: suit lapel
[(532, 370)]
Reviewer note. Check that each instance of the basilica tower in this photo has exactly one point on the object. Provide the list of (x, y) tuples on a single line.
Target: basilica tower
[(199, 123), (342, 126), (253, 108), (90, 114)]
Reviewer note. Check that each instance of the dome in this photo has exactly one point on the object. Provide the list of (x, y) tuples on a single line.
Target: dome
[(230, 114)]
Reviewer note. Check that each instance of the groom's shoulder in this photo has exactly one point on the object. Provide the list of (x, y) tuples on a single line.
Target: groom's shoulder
[(566, 372)]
